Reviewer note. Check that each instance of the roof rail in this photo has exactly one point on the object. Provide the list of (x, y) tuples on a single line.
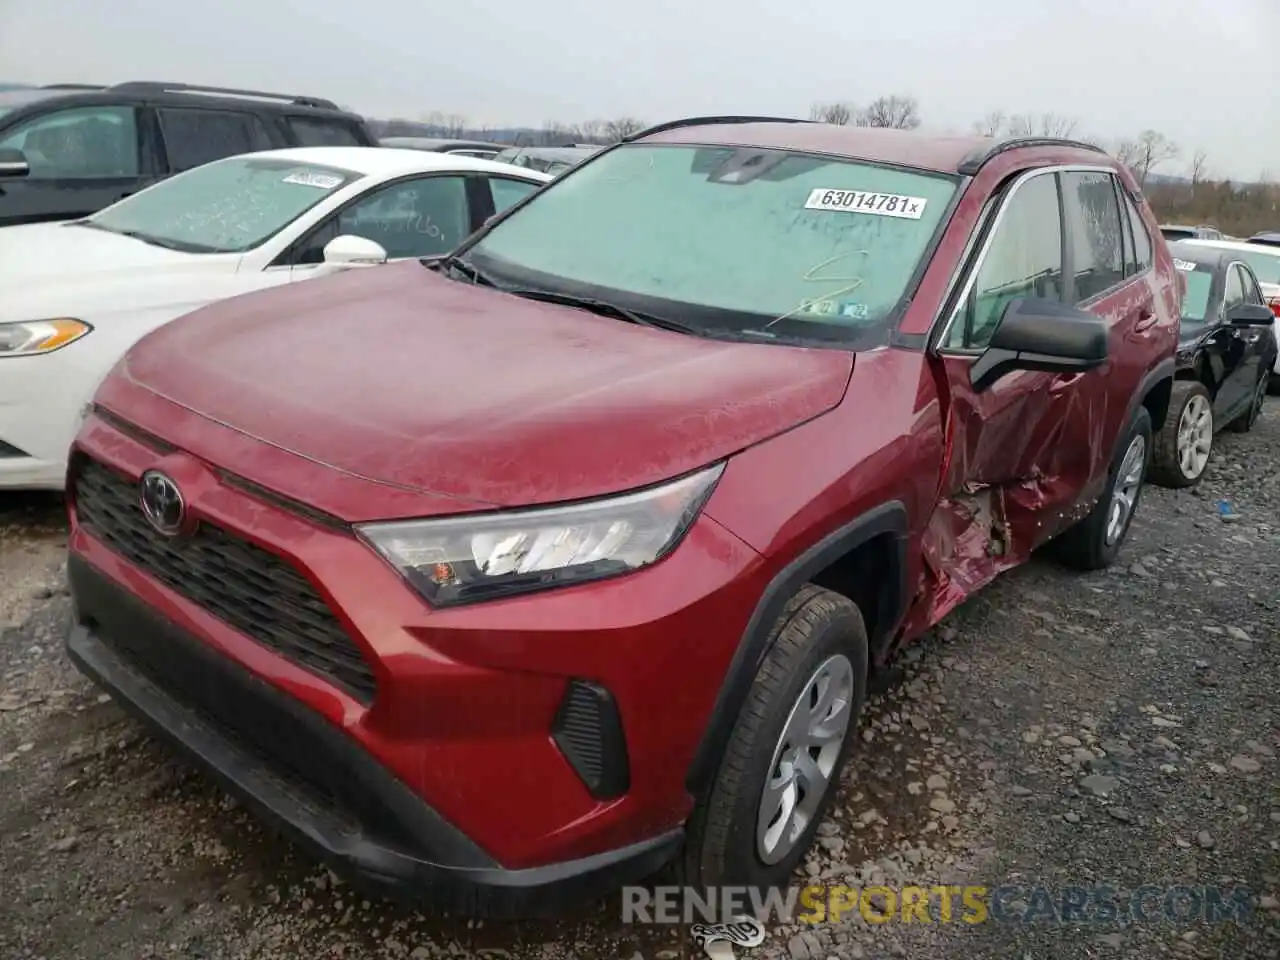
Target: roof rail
[(71, 86), (974, 162), (153, 86), (706, 121)]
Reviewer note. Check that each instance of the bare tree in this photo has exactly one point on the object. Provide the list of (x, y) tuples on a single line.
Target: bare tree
[(615, 130), (1127, 151), (898, 112), (992, 125), (588, 131), (837, 112), (1152, 149), (455, 125), (1042, 125)]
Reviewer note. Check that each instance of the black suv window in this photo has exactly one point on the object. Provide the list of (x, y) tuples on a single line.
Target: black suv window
[(1093, 215), (1235, 288), (1024, 259), (79, 143), (315, 132), (193, 137)]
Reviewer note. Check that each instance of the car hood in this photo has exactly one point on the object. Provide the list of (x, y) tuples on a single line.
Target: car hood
[(50, 269), (398, 376)]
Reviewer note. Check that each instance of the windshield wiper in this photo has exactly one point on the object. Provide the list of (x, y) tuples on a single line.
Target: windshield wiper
[(178, 245), (606, 309), (470, 271)]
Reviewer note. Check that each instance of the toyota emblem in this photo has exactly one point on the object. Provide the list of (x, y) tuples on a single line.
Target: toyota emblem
[(162, 502)]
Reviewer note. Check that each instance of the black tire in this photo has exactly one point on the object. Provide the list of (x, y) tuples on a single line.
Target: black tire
[(1246, 421), (1166, 465), (1085, 545), (721, 846)]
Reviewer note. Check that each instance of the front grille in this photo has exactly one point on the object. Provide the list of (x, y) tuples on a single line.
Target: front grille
[(248, 588)]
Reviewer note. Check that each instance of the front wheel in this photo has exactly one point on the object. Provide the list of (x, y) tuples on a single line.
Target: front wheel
[(781, 769), (1184, 443), (1095, 541)]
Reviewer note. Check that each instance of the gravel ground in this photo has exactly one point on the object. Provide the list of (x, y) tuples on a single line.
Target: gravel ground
[(1058, 730)]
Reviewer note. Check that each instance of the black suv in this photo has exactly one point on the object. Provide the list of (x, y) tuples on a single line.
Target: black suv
[(68, 150)]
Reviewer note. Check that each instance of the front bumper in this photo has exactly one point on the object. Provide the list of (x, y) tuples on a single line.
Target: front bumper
[(306, 776)]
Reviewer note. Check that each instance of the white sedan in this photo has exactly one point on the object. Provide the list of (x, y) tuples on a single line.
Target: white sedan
[(1264, 261), (76, 295)]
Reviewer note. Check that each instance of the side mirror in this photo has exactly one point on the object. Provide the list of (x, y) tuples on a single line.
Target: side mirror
[(13, 163), (1045, 335), (349, 250), (1250, 315)]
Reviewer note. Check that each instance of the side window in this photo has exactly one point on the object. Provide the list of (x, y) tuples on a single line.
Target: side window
[(415, 218), (1141, 239), (1235, 288), (507, 193), (1093, 216), (1131, 267), (314, 132), (82, 143), (1024, 259), (193, 137), (1252, 292)]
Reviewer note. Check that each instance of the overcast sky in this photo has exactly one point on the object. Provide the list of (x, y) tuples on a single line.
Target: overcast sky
[(1204, 72)]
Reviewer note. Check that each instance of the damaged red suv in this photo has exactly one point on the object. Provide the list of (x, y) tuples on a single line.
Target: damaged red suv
[(508, 577)]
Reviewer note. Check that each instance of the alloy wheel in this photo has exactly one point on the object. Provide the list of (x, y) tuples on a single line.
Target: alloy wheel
[(1195, 436), (1124, 492)]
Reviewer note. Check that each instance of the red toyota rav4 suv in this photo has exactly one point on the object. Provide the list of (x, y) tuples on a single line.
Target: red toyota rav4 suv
[(513, 575)]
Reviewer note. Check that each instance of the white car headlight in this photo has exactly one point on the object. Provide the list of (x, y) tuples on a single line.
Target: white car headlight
[(456, 560), (32, 337)]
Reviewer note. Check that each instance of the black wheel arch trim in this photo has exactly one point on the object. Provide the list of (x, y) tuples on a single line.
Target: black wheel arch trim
[(888, 518), (1164, 370)]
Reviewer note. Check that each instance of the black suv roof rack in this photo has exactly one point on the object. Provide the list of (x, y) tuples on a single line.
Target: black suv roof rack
[(975, 161), (706, 121), (71, 86), (155, 86)]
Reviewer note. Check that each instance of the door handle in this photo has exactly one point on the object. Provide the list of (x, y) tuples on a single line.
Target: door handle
[(1146, 320)]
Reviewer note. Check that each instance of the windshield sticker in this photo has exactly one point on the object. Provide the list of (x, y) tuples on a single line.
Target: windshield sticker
[(322, 181), (1186, 265), (821, 306), (853, 310), (866, 201)]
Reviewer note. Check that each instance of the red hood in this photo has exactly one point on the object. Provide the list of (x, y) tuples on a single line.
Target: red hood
[(402, 377)]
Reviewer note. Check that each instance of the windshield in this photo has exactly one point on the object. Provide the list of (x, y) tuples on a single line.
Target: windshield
[(1265, 266), (1195, 302), (227, 206), (738, 241)]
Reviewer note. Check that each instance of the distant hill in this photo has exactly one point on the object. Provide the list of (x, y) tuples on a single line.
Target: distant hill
[(418, 128)]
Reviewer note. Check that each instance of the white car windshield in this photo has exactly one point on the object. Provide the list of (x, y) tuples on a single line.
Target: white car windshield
[(228, 206), (754, 242)]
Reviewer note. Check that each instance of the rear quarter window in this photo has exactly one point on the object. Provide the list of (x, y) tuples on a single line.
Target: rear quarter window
[(316, 132)]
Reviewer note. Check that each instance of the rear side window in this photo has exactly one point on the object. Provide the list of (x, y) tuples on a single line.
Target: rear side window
[(194, 137), (507, 193), (314, 132), (1097, 242), (1141, 239)]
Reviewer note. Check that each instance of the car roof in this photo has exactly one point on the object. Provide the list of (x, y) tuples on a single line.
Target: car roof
[(21, 96), (439, 143), (1238, 246), (905, 148), (394, 161), (1271, 236), (1204, 252)]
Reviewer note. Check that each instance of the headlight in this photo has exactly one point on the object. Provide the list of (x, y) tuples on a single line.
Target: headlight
[(31, 337), (456, 560)]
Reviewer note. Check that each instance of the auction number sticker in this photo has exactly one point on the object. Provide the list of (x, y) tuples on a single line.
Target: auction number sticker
[(307, 178), (1185, 265), (866, 201)]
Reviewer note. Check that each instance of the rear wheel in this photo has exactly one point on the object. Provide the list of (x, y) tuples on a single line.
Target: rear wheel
[(1244, 423), (1183, 445), (1095, 541), (781, 769)]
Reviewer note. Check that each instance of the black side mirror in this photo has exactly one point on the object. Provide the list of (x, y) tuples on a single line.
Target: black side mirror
[(1036, 334), (13, 163), (1250, 315)]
